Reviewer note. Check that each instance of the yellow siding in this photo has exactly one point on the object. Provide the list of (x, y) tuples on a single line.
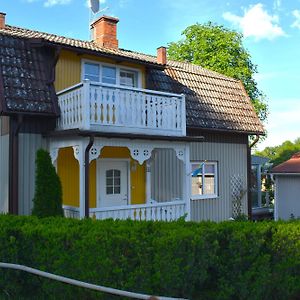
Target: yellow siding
[(68, 171), (68, 68)]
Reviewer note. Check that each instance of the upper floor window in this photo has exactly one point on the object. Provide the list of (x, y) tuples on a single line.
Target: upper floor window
[(92, 72), (110, 74), (204, 179)]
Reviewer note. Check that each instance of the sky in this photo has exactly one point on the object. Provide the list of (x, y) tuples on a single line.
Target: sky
[(271, 30)]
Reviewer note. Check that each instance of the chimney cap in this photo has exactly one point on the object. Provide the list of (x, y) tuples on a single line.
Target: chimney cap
[(105, 18), (2, 13)]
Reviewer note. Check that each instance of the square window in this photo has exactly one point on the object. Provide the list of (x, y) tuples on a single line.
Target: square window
[(128, 78), (204, 179), (109, 190)]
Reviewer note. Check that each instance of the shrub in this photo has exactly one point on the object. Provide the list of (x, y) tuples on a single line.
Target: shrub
[(229, 260), (48, 191)]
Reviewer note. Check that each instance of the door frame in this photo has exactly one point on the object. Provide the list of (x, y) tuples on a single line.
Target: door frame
[(98, 165)]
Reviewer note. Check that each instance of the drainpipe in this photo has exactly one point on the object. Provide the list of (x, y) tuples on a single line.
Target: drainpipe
[(249, 175), (14, 165), (87, 176)]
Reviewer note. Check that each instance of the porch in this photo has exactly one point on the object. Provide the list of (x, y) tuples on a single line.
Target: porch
[(124, 179), (111, 108)]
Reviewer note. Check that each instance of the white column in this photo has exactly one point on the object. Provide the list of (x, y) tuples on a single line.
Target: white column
[(187, 182), (148, 180), (79, 155)]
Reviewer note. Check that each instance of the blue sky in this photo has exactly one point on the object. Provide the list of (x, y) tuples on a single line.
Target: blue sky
[(271, 29)]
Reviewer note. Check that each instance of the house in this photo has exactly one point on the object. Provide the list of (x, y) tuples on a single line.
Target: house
[(131, 135), (287, 188)]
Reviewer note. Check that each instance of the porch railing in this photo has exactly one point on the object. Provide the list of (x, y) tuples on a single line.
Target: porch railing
[(165, 211), (111, 108)]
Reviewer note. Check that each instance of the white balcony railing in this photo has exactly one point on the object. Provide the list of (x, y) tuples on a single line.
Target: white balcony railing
[(110, 108), (165, 211)]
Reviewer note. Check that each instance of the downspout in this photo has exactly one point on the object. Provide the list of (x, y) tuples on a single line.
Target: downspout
[(14, 165), (87, 176), (249, 176)]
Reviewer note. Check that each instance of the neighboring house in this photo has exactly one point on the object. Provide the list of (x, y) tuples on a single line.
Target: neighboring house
[(131, 135), (287, 188)]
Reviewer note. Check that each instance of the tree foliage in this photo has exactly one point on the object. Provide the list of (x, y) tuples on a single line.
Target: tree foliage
[(281, 153), (219, 49), (48, 191)]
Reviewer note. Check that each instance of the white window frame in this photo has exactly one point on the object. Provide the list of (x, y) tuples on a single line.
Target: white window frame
[(118, 69), (216, 181)]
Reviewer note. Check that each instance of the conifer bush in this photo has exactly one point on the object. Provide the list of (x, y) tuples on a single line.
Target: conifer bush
[(47, 200)]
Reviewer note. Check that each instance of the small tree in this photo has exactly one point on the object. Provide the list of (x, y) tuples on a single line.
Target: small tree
[(48, 191)]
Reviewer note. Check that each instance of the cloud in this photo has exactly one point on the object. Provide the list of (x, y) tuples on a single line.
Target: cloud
[(257, 23), (296, 14), (50, 3), (277, 4)]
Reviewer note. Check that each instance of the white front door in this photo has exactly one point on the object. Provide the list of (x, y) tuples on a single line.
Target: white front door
[(113, 183)]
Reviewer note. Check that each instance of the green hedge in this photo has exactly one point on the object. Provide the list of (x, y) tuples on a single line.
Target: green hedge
[(229, 260)]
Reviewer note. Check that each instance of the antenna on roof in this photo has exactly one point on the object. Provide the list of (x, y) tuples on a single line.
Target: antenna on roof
[(94, 10)]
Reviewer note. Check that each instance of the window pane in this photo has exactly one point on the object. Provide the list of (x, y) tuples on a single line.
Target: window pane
[(209, 168), (109, 173), (91, 71), (109, 181), (196, 186), (209, 185), (128, 78), (117, 190), (117, 181), (109, 190), (109, 75)]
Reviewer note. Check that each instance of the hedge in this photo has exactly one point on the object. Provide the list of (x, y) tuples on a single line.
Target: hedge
[(229, 260)]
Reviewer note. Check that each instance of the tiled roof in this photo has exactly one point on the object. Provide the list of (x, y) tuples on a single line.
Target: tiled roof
[(87, 45), (213, 101), (290, 166), (25, 78)]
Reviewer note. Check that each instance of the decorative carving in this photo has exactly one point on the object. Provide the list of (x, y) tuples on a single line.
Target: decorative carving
[(95, 152), (77, 153), (180, 153), (54, 155)]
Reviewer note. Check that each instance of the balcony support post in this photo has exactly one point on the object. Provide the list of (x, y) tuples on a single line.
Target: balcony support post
[(86, 105), (148, 181)]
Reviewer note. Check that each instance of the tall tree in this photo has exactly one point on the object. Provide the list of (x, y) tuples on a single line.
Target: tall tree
[(219, 49)]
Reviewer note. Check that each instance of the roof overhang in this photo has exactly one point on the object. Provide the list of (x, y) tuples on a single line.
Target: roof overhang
[(84, 133)]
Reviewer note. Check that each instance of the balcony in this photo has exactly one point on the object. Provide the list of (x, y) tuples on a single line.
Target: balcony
[(110, 108)]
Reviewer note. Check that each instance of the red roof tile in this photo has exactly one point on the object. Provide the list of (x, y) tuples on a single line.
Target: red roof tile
[(290, 166)]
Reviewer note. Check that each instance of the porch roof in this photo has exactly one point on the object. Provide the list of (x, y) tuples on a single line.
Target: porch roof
[(84, 133)]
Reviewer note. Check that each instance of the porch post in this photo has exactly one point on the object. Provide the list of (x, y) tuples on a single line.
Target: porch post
[(187, 182), (148, 180), (79, 155)]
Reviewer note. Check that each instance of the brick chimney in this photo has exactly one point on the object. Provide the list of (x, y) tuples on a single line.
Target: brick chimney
[(105, 32), (162, 55), (2, 20)]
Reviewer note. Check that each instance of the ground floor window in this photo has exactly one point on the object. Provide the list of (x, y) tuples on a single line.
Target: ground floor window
[(204, 179)]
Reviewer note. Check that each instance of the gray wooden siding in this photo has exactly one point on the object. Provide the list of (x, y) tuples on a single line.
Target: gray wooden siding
[(232, 163), (4, 148), (231, 158), (166, 176), (287, 195), (28, 145)]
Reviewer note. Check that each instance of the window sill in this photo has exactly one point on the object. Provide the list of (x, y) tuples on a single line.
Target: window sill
[(201, 197)]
